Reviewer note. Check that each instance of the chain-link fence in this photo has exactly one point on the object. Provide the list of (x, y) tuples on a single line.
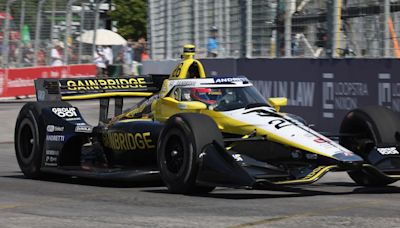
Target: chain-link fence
[(276, 28), (44, 32)]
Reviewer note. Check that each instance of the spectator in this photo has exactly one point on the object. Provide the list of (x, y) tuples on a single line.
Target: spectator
[(139, 55), (212, 44), (100, 61), (27, 56), (108, 54), (140, 49), (127, 58), (57, 54)]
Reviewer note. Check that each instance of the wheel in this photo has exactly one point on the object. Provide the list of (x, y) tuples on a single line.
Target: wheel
[(370, 126), (29, 138), (179, 146)]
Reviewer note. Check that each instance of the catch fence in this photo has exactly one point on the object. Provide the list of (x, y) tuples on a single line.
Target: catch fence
[(32, 29), (277, 28)]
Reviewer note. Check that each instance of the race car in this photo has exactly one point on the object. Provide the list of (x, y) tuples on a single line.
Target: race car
[(196, 133)]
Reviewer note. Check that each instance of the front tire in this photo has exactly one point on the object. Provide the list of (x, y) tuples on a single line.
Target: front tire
[(372, 125), (180, 144)]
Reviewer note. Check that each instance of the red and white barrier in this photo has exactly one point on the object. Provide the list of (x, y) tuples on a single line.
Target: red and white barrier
[(19, 81)]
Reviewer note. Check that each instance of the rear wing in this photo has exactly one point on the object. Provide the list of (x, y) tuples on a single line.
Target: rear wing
[(98, 88), (94, 88)]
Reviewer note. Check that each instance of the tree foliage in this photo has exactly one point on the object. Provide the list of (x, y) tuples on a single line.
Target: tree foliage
[(131, 18)]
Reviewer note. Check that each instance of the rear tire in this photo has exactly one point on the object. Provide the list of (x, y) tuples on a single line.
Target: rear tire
[(374, 125), (179, 146), (30, 137)]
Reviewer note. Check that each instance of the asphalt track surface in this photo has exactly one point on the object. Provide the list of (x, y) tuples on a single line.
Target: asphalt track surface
[(334, 201)]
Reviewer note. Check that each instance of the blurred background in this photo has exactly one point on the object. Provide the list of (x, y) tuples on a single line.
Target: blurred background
[(159, 28), (273, 28)]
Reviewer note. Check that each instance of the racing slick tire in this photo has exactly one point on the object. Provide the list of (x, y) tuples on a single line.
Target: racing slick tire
[(179, 146), (30, 137), (373, 125)]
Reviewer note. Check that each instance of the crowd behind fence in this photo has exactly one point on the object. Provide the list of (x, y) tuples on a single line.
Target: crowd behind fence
[(44, 32), (32, 31), (277, 28)]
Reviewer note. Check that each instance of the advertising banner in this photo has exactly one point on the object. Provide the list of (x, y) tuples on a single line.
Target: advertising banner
[(2, 80), (20, 81)]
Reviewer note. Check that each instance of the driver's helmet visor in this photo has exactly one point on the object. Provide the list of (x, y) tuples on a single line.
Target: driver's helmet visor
[(206, 95)]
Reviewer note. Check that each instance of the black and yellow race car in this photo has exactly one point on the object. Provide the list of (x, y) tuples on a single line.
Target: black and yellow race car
[(196, 133)]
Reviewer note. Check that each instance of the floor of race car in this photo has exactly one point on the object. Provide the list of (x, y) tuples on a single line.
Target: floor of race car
[(334, 201)]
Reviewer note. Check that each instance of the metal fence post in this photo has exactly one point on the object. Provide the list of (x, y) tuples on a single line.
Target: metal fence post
[(81, 32), (168, 24), (206, 27), (336, 18), (196, 23), (6, 37), (386, 36), (243, 29), (288, 28), (53, 11), (21, 28), (227, 28), (68, 30), (37, 30), (249, 28)]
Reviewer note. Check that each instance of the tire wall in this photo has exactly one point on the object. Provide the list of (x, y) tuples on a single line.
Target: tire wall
[(322, 91)]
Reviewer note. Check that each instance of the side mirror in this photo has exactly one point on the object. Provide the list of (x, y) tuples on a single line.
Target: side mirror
[(191, 105), (277, 102)]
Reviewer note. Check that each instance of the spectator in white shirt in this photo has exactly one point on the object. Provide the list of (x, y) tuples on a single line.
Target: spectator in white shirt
[(108, 53), (100, 61), (57, 54)]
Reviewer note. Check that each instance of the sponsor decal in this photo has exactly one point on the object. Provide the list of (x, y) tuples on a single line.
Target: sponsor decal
[(229, 80), (237, 157), (55, 138), (314, 172), (97, 84), (181, 83), (128, 141), (52, 152), (341, 95), (320, 140), (84, 128), (388, 151), (65, 112), (51, 160), (73, 119), (52, 128)]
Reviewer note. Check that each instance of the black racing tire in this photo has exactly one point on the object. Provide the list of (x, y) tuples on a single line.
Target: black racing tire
[(179, 146), (373, 125), (30, 137)]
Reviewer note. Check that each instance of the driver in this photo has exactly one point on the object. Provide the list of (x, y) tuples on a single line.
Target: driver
[(205, 95)]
